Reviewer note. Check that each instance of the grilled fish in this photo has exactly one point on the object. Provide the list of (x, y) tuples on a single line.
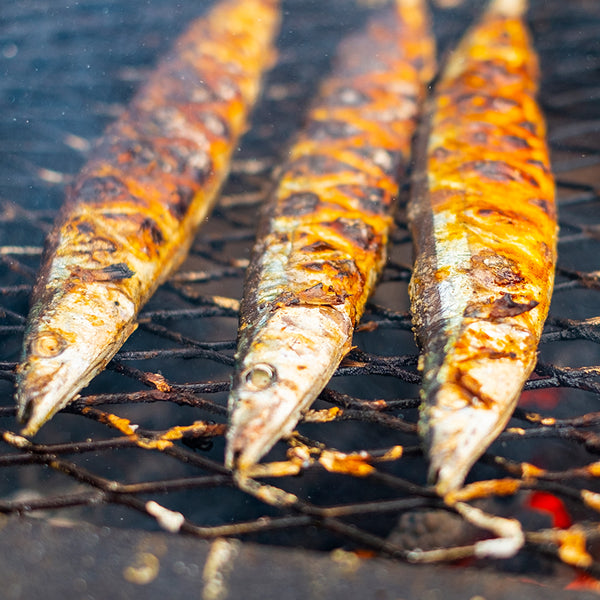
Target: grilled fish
[(322, 240), (130, 216), (484, 225)]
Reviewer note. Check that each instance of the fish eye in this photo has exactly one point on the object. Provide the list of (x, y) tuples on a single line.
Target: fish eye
[(260, 376), (48, 344)]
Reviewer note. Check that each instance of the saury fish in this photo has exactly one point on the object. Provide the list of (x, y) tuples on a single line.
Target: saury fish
[(130, 216), (322, 241), (483, 220)]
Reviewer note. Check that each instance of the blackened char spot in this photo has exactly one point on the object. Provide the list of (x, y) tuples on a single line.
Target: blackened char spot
[(85, 228), (537, 163), (300, 203), (500, 308), (516, 142), (153, 229), (357, 232), (440, 153), (502, 270), (318, 165), (528, 126), (498, 170), (345, 268), (319, 246), (330, 130), (370, 199), (507, 307), (116, 272), (99, 189), (547, 206), (317, 265), (342, 268), (316, 295), (180, 201)]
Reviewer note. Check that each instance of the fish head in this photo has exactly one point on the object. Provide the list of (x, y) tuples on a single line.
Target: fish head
[(68, 341), (286, 366)]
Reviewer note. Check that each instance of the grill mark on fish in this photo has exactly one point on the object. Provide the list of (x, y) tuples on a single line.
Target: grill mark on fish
[(179, 201), (493, 269), (369, 199), (498, 170), (499, 308), (298, 204), (318, 246), (483, 222), (130, 216), (322, 244), (548, 207), (114, 272), (356, 231), (516, 142)]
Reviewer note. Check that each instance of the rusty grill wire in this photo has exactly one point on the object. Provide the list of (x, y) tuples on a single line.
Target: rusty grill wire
[(146, 437)]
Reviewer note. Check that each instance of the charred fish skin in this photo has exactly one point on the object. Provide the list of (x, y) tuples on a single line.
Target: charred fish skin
[(483, 220), (322, 240), (130, 217)]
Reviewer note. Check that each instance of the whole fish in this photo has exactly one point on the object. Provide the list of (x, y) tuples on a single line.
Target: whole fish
[(322, 241), (484, 226), (130, 217)]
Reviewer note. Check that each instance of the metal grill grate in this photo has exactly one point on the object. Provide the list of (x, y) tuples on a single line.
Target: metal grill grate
[(151, 427)]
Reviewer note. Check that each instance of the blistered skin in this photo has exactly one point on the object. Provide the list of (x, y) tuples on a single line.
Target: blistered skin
[(484, 225), (322, 242), (130, 216)]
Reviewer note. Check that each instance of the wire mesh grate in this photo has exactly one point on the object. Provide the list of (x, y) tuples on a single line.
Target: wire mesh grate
[(143, 446)]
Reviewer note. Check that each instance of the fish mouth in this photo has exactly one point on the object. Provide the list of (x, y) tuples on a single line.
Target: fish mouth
[(40, 397), (43, 389), (257, 425), (251, 436)]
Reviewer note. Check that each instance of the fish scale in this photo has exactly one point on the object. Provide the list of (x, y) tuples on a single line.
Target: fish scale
[(322, 240)]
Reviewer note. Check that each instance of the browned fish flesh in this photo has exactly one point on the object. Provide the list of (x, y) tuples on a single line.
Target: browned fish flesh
[(484, 225), (322, 241), (130, 216)]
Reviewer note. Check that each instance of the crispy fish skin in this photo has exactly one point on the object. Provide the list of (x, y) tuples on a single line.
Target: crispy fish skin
[(484, 225), (322, 241), (130, 217)]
